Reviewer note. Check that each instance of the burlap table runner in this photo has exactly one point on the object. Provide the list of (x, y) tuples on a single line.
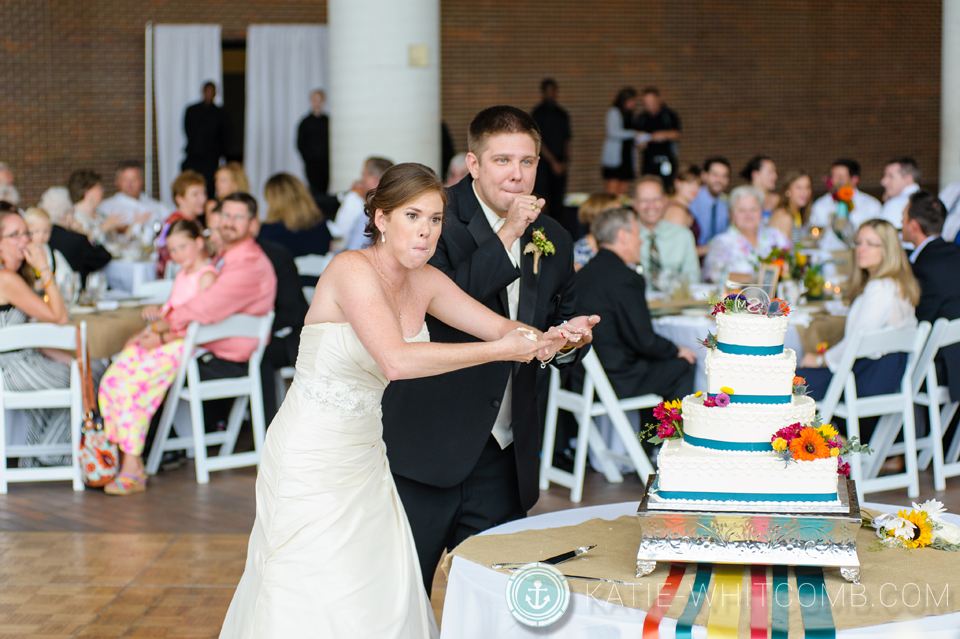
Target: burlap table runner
[(895, 584), (108, 331)]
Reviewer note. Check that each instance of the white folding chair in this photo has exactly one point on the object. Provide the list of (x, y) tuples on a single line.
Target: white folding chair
[(944, 333), (154, 292), (895, 409), (584, 408), (245, 389), (15, 338)]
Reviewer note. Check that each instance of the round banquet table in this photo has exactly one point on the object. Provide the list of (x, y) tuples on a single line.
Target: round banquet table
[(475, 603)]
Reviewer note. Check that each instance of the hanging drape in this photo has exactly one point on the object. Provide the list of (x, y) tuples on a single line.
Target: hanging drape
[(284, 64), (186, 56)]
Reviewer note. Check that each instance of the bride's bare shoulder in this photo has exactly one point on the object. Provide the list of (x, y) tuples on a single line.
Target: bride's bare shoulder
[(349, 264)]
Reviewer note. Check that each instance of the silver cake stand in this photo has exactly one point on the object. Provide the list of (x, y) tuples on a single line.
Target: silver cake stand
[(745, 533)]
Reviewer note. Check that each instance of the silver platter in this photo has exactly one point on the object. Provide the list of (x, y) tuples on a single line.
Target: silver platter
[(653, 501)]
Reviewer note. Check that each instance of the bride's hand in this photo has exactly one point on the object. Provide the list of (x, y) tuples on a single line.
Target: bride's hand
[(521, 345)]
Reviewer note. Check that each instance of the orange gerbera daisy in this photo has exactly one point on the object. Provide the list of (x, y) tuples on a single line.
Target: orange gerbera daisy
[(799, 381), (809, 446)]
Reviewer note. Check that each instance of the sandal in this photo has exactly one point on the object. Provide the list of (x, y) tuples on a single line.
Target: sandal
[(125, 484)]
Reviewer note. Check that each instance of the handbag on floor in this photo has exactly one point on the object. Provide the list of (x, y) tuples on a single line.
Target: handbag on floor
[(99, 456)]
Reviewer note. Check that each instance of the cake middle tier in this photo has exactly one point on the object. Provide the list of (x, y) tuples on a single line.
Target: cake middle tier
[(754, 379), (741, 427)]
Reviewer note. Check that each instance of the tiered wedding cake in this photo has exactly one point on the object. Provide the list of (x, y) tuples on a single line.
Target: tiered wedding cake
[(729, 451)]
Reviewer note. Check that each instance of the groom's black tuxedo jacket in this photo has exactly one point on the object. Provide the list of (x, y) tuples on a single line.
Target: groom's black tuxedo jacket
[(435, 428), (936, 270)]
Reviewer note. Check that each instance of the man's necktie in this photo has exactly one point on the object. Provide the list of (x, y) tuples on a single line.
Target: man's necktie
[(713, 218), (654, 262)]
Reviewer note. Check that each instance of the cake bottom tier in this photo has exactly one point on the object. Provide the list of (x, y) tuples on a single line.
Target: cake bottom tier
[(691, 473)]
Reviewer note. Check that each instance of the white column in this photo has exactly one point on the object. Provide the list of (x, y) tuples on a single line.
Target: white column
[(384, 90), (950, 94)]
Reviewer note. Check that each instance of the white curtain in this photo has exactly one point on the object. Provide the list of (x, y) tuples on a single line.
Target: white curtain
[(284, 64), (185, 57)]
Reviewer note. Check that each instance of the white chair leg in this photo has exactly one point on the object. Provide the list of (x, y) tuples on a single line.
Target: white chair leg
[(257, 418), (935, 451), (602, 455), (550, 430), (910, 454), (882, 441), (234, 422), (76, 414), (584, 423), (196, 423), (3, 442), (949, 410)]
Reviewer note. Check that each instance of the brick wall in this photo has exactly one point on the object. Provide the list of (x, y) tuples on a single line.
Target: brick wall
[(801, 81)]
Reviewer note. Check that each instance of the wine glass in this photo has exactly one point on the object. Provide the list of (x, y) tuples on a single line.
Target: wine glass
[(70, 289), (96, 285)]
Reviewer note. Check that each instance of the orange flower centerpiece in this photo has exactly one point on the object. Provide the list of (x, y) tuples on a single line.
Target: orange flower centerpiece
[(799, 443)]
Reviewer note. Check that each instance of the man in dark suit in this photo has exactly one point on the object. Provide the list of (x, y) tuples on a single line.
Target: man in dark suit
[(636, 360), (464, 446), (935, 265), (83, 257), (205, 125), (313, 142)]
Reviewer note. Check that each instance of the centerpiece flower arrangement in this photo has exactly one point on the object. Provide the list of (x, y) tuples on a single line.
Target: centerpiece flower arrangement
[(917, 528), (797, 266), (799, 443)]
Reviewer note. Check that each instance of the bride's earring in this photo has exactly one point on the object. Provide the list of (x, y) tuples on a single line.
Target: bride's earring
[(383, 237)]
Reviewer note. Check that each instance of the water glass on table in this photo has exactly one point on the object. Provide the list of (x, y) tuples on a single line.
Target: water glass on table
[(96, 286)]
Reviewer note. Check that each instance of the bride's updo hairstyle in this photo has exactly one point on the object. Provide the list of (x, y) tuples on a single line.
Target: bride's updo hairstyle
[(399, 185)]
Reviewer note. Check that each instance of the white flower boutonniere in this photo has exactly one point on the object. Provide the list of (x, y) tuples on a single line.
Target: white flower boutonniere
[(539, 246)]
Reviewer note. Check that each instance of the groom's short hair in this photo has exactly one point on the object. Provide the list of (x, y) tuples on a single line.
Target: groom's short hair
[(500, 119)]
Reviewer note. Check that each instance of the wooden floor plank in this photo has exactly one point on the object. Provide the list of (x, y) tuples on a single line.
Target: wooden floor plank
[(51, 612)]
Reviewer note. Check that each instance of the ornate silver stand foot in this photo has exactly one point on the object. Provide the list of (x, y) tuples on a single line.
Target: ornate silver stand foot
[(851, 573), (644, 568)]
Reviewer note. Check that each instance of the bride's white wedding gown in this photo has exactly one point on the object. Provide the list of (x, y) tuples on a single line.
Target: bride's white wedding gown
[(331, 554)]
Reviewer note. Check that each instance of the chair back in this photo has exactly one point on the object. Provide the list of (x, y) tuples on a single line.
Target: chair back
[(252, 326), (312, 265), (154, 292), (40, 335)]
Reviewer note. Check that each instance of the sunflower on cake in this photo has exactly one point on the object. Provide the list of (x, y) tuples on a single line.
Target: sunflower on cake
[(753, 436)]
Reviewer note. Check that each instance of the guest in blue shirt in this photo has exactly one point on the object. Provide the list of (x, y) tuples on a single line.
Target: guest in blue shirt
[(710, 206), (293, 219)]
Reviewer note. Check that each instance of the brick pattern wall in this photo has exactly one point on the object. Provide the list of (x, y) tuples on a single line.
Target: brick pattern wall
[(803, 81)]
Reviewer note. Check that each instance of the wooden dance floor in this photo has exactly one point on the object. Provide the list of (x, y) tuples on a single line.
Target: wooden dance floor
[(165, 563)]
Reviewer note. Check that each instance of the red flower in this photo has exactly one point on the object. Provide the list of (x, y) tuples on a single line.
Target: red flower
[(718, 308)]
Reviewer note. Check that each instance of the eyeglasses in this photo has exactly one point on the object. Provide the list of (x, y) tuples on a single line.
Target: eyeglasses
[(860, 243), (235, 218), (18, 235)]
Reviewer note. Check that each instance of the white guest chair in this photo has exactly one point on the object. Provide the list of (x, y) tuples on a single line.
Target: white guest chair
[(15, 338), (895, 409), (584, 408), (944, 333), (245, 389), (309, 266), (154, 292)]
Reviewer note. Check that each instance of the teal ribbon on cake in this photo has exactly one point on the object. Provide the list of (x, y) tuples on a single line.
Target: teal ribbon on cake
[(757, 399), (719, 445), (817, 616), (740, 349), (696, 495)]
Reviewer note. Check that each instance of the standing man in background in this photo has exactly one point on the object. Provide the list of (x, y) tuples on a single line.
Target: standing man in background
[(662, 125), (313, 142), (205, 125), (554, 123)]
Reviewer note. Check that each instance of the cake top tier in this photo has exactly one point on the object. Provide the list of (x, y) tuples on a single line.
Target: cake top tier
[(754, 332)]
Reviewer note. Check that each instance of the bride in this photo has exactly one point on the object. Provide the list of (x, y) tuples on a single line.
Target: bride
[(331, 553)]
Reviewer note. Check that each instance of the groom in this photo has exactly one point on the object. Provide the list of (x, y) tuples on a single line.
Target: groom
[(464, 446)]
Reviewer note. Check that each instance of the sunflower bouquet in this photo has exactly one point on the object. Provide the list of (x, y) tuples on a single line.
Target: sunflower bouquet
[(669, 426), (922, 526), (799, 443)]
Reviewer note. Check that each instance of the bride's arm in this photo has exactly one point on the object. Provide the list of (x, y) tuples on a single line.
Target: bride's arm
[(357, 291)]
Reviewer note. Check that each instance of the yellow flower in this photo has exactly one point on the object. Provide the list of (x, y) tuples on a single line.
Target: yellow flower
[(801, 259), (827, 431), (726, 389), (674, 404), (698, 394), (834, 452), (779, 444), (922, 534)]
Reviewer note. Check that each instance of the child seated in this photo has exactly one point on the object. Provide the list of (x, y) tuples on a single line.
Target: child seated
[(39, 225)]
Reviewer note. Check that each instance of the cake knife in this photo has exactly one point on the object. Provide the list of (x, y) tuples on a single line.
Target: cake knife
[(553, 561)]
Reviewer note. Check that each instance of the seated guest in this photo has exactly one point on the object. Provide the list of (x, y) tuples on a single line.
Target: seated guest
[(710, 205), (38, 223), (935, 263), (586, 247), (738, 250), (845, 172), (901, 179), (666, 246), (637, 360), (293, 219), (884, 295), (134, 386), (31, 369), (348, 225), (56, 202), (228, 179), (130, 201), (950, 196), (686, 187), (794, 211), (761, 173), (457, 169), (190, 194), (86, 193)]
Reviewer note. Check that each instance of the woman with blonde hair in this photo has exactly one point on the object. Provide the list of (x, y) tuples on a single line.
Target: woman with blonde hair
[(293, 218), (229, 179), (884, 294), (686, 187), (796, 199), (586, 247)]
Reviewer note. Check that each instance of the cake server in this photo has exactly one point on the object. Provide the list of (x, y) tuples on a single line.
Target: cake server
[(553, 561)]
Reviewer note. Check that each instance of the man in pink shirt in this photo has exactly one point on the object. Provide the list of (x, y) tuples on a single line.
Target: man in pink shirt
[(246, 284)]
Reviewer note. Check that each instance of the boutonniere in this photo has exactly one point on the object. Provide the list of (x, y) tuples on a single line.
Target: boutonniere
[(540, 245)]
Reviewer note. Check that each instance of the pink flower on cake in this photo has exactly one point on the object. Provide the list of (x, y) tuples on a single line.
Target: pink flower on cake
[(843, 468), (665, 431), (722, 400)]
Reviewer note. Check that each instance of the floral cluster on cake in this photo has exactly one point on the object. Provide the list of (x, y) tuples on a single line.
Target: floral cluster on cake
[(799, 443), (669, 416), (738, 303), (917, 528)]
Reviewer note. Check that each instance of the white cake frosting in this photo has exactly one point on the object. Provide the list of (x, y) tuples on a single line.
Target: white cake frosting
[(742, 423), (751, 374), (689, 469), (747, 329)]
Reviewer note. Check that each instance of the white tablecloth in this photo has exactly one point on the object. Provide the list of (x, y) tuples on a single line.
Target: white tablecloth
[(125, 275), (475, 604)]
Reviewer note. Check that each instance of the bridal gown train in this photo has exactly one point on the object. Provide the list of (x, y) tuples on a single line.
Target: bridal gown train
[(331, 554)]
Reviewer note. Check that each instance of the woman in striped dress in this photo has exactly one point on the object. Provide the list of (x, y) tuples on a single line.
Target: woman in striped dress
[(30, 369)]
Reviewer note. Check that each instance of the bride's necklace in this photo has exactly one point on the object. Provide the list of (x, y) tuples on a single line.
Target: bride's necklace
[(398, 302)]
